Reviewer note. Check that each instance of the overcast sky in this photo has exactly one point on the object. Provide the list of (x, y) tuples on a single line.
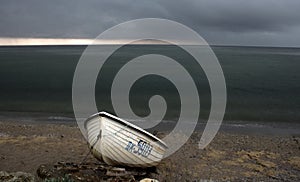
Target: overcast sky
[(225, 22)]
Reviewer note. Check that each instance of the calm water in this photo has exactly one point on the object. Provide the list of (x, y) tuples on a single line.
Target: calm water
[(263, 84)]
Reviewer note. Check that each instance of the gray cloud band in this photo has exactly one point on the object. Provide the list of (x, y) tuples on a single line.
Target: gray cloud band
[(93, 58)]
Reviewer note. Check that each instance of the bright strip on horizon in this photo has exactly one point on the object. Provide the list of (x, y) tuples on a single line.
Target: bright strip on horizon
[(5, 41), (46, 41)]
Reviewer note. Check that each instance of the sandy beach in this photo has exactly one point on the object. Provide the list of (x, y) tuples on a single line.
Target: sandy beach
[(230, 157)]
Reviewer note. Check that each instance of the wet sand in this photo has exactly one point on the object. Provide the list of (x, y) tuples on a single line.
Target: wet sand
[(231, 156)]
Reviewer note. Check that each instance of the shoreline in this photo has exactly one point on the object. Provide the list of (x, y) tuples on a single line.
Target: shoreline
[(230, 156), (239, 127)]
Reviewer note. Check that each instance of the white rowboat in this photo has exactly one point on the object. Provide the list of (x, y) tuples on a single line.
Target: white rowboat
[(118, 142)]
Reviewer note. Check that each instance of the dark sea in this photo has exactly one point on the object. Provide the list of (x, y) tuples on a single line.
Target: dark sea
[(263, 83)]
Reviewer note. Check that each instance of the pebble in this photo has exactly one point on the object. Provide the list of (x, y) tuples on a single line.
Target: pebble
[(16, 176)]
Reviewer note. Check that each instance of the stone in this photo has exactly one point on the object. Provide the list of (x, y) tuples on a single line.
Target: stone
[(16, 176), (148, 180)]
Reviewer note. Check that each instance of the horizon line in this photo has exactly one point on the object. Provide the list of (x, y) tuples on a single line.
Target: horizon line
[(22, 41)]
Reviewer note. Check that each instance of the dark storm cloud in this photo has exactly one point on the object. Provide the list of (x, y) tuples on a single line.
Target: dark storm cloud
[(239, 15), (219, 21), (68, 18)]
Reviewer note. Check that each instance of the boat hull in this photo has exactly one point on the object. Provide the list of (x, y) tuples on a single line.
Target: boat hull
[(118, 142)]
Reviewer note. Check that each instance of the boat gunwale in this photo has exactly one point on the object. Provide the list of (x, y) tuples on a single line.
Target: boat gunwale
[(127, 124)]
